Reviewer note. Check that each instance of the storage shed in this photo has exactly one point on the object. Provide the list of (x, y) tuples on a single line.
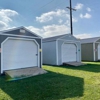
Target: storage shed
[(90, 49), (60, 49), (19, 48)]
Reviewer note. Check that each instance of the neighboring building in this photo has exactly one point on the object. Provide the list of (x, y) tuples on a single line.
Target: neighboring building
[(19, 48), (90, 49), (60, 49)]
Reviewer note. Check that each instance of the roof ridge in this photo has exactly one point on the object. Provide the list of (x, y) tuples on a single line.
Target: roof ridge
[(90, 38), (56, 36)]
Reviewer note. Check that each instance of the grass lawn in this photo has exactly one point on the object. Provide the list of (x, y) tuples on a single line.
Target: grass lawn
[(60, 83)]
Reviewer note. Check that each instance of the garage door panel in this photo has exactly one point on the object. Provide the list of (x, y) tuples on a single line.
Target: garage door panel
[(68, 52), (19, 53)]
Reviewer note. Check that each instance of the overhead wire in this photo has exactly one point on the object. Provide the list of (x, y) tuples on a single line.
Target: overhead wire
[(50, 7), (53, 7), (46, 4)]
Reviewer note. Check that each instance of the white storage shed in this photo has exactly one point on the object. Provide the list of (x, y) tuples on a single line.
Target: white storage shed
[(60, 49)]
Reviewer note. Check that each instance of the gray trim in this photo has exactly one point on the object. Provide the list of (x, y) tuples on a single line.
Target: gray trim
[(57, 52), (41, 54), (18, 35), (94, 51)]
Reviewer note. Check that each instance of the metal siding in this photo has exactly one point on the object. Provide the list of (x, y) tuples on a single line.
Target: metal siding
[(59, 52), (49, 53), (87, 52), (3, 37), (96, 51)]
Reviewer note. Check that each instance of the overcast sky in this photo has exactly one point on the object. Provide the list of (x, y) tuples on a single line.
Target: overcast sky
[(51, 17)]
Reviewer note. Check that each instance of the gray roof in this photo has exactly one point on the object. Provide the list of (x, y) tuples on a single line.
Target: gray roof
[(54, 38), (89, 40)]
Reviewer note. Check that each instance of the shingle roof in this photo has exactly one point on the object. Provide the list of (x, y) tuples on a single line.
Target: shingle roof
[(54, 37), (89, 40)]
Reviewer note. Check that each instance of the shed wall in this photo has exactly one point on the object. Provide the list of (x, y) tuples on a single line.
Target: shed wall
[(49, 53), (87, 52), (96, 51)]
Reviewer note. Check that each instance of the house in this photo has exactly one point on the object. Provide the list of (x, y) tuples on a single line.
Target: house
[(60, 49), (90, 49), (19, 48)]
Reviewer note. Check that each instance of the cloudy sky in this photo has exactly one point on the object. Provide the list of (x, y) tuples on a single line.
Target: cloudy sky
[(51, 17)]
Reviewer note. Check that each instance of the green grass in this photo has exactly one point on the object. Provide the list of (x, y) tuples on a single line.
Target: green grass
[(60, 83)]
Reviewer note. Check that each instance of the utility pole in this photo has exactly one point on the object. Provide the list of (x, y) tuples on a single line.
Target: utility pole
[(70, 8)]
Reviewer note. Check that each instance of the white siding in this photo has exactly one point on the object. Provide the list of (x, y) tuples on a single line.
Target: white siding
[(99, 52), (49, 53)]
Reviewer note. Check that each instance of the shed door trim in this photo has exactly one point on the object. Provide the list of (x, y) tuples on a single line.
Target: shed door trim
[(98, 51), (94, 51), (17, 39)]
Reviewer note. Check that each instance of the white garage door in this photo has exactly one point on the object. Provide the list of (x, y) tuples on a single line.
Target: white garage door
[(19, 53), (68, 52), (98, 51)]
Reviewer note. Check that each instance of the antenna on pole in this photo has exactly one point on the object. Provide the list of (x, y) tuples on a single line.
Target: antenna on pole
[(70, 8)]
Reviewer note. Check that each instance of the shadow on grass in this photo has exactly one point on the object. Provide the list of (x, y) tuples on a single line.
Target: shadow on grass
[(88, 67), (50, 86)]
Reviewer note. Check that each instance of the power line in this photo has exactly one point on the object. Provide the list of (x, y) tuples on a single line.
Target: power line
[(59, 4), (46, 4), (53, 7), (35, 11), (50, 7)]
